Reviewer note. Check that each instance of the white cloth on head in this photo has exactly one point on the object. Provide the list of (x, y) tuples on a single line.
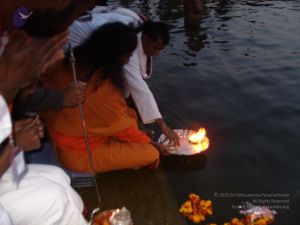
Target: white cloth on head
[(44, 197), (136, 86), (81, 29)]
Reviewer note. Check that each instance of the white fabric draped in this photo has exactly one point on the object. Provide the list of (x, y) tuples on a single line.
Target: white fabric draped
[(44, 197)]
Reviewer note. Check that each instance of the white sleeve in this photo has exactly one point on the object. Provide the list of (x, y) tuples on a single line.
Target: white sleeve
[(4, 217), (44, 196), (141, 93), (5, 120)]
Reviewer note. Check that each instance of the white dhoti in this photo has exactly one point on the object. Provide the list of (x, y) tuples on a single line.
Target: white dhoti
[(44, 197), (4, 217)]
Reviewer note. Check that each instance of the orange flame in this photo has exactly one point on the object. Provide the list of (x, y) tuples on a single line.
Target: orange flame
[(199, 140)]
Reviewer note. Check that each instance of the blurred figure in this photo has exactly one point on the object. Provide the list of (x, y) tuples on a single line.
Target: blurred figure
[(193, 9), (7, 11), (43, 24), (25, 59), (44, 195), (19, 46), (193, 12)]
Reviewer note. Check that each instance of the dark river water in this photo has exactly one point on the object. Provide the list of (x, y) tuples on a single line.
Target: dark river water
[(236, 71)]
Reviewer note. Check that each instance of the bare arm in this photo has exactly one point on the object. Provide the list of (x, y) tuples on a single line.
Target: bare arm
[(45, 99)]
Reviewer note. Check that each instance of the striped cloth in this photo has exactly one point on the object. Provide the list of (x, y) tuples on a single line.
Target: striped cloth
[(46, 155)]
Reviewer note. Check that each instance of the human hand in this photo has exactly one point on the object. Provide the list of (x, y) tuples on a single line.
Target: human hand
[(171, 135), (28, 133), (26, 58), (74, 94)]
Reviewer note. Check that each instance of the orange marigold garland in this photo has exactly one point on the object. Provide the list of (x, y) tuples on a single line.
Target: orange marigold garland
[(196, 209)]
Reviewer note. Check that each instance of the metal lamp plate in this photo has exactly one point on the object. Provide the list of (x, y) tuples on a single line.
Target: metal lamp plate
[(186, 147)]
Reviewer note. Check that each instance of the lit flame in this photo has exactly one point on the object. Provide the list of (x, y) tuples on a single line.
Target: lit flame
[(199, 140)]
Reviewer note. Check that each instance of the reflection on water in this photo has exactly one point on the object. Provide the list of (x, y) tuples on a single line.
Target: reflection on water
[(193, 12), (234, 70)]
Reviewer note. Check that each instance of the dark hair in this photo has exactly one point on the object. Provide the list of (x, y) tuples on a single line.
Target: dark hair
[(156, 30), (104, 50)]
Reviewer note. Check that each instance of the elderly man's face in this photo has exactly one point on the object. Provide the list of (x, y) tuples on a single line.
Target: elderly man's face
[(152, 47)]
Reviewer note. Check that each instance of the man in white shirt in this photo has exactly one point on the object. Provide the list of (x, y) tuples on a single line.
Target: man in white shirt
[(153, 38)]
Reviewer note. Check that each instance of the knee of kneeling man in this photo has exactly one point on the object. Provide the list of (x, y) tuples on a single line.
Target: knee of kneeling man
[(50, 203), (55, 195), (59, 175), (153, 155)]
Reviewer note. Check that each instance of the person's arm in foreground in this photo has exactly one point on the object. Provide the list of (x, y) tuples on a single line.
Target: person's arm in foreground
[(45, 99), (25, 58)]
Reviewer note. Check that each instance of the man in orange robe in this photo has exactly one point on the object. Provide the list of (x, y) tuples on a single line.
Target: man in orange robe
[(115, 139)]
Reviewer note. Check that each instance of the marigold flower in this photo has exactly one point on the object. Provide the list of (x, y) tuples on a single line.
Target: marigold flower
[(208, 203), (186, 208), (261, 221), (209, 212), (192, 196), (196, 218), (196, 209), (267, 219), (236, 221)]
